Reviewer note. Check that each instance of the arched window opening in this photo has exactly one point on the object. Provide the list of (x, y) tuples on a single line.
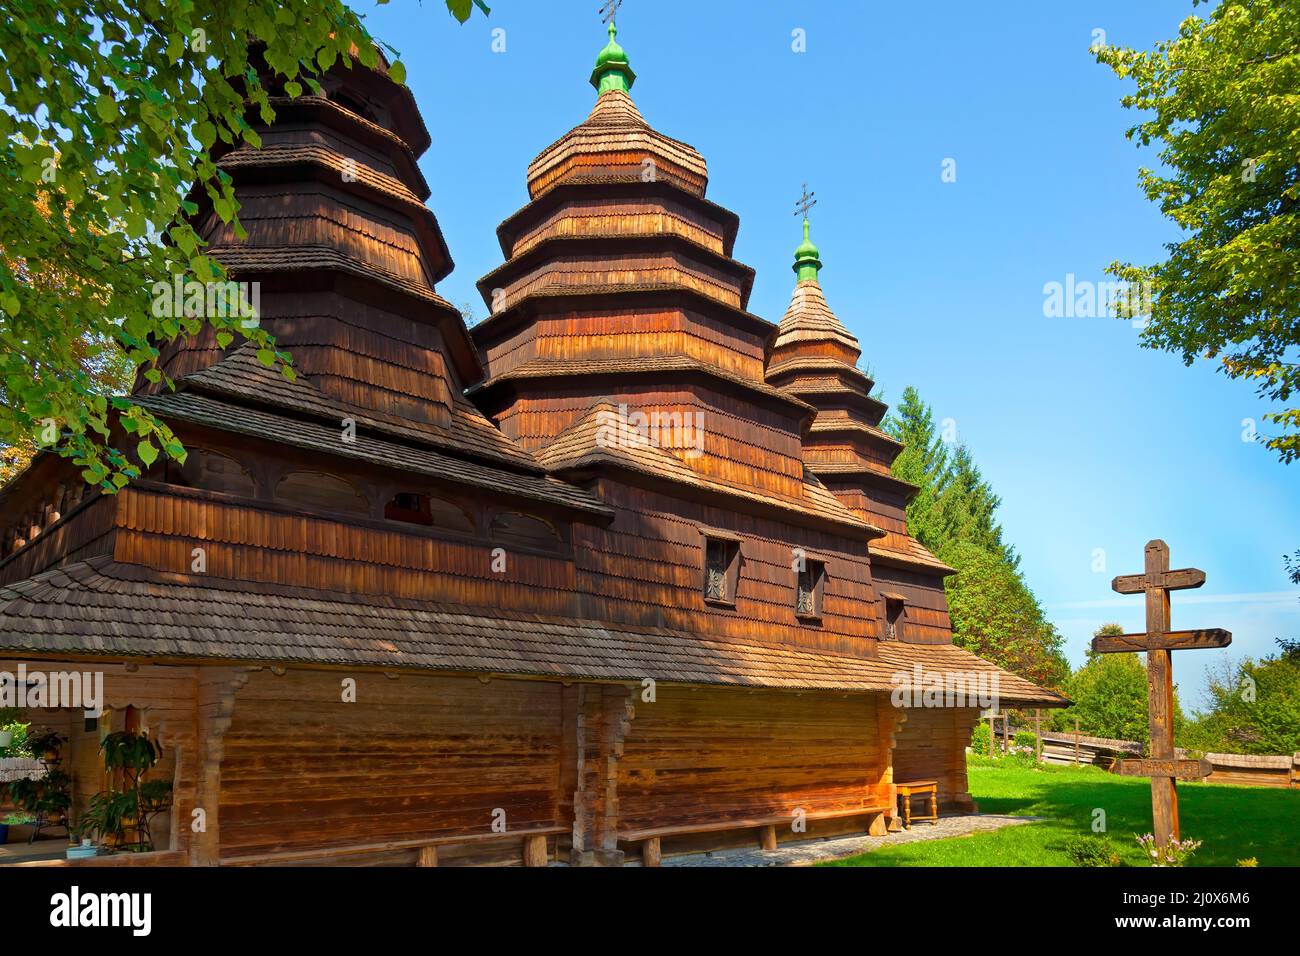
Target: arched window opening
[(319, 492), (211, 471), (414, 508), (524, 531)]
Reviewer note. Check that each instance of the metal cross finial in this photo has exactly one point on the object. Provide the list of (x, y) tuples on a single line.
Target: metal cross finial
[(609, 10), (805, 202)]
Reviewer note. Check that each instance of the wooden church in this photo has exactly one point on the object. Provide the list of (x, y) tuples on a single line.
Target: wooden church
[(621, 571)]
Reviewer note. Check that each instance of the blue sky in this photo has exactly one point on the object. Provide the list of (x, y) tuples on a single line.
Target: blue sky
[(1092, 442)]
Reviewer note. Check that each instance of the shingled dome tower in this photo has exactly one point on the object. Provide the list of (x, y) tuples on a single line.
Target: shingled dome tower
[(620, 295), (815, 358)]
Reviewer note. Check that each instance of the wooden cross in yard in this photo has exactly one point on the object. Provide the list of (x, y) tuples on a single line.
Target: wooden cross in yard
[(1163, 768)]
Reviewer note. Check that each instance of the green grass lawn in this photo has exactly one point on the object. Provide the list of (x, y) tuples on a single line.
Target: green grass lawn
[(1233, 822)]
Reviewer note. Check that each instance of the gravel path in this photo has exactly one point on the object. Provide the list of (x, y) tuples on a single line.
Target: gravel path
[(814, 851)]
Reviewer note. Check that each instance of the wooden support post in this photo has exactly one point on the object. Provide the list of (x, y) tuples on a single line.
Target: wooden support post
[(216, 707), (993, 735), (1006, 734), (1038, 735), (652, 851), (604, 716), (428, 856), (767, 838), (1076, 741), (535, 850), (878, 826)]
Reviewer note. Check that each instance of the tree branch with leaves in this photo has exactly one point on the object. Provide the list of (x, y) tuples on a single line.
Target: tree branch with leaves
[(108, 109)]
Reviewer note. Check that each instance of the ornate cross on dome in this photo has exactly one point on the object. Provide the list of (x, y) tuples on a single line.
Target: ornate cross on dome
[(805, 202), (609, 10)]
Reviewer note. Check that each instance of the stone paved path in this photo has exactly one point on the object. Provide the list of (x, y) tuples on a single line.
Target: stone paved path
[(813, 851)]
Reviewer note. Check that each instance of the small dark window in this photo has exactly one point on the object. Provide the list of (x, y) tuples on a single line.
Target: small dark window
[(893, 619), (721, 569), (808, 590), (91, 725), (420, 509)]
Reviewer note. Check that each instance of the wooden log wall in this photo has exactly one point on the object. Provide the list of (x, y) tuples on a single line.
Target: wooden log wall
[(926, 619), (647, 569), (737, 451), (85, 532), (931, 745), (244, 542), (414, 756), (708, 754)]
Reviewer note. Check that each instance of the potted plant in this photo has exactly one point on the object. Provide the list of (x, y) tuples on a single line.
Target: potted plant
[(16, 819), (47, 799), (131, 809), (47, 745), (80, 839)]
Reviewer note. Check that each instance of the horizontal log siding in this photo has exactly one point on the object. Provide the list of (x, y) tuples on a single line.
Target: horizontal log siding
[(699, 756), (931, 745), (647, 569), (420, 756)]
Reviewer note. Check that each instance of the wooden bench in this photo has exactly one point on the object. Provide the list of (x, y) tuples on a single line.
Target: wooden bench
[(534, 848), (651, 838), (913, 787)]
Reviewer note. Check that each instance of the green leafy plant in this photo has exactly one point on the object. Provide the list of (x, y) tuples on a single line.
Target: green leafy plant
[(1219, 102), (1092, 851), (18, 819), (111, 110), (113, 814), (18, 745), (46, 744), (49, 797)]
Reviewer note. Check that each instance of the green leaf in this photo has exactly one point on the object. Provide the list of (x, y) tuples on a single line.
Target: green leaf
[(106, 107), (146, 453)]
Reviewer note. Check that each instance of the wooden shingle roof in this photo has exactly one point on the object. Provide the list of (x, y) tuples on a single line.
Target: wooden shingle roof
[(809, 319), (611, 145), (311, 436), (100, 607), (241, 377)]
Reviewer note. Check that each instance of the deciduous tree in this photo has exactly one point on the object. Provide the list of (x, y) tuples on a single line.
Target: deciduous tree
[(109, 109), (1220, 102)]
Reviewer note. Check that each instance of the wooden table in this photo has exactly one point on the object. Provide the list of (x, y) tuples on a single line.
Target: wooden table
[(912, 787)]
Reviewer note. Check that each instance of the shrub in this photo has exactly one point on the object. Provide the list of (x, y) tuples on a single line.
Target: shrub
[(1092, 851)]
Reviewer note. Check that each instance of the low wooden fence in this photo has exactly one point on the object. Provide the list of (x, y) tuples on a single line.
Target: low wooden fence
[(1244, 769)]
